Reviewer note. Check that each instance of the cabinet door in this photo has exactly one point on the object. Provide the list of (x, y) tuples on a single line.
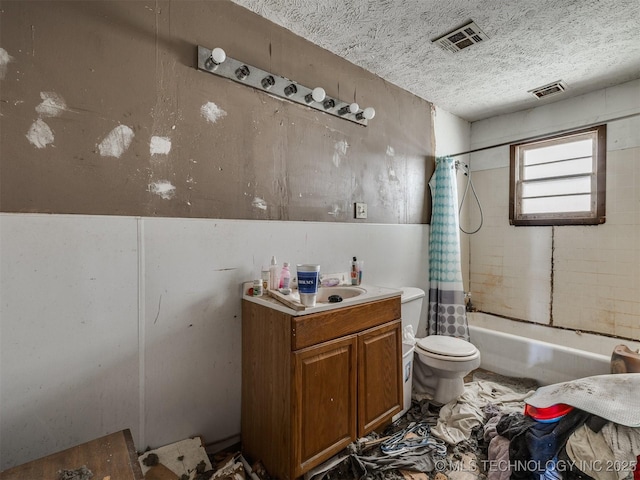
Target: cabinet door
[(324, 401), (379, 376)]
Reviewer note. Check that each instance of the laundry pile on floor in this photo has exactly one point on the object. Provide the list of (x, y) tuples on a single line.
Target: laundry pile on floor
[(583, 429), (587, 429)]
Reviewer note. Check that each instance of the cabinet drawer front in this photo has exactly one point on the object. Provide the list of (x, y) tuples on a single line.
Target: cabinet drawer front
[(324, 402), (315, 328)]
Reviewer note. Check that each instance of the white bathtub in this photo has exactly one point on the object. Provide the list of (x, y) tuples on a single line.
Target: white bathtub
[(546, 354)]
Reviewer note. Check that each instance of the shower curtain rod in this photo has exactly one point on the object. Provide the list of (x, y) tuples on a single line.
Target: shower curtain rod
[(530, 139)]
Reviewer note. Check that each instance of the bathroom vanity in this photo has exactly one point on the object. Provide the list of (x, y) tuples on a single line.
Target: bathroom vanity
[(313, 381)]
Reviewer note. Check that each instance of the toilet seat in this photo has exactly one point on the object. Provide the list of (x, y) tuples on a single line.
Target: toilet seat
[(447, 348)]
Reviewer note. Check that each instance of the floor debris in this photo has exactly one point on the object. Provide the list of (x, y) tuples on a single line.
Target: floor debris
[(485, 435), (82, 473), (186, 459)]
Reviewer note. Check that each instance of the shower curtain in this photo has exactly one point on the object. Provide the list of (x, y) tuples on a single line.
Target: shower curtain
[(447, 315)]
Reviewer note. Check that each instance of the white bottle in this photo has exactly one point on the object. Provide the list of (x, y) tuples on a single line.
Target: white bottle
[(273, 274)]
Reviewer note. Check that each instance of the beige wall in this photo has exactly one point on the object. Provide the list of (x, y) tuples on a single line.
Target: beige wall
[(79, 70), (126, 313)]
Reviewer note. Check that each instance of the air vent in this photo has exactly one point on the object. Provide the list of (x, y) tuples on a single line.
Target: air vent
[(461, 38), (549, 89)]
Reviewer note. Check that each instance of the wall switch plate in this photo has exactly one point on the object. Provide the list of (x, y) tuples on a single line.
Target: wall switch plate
[(361, 210)]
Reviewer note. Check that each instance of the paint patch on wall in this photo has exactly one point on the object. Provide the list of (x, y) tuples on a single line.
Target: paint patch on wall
[(259, 203), (336, 210), (160, 145), (5, 59), (390, 151), (212, 112), (40, 135), (116, 142), (52, 105), (163, 188), (340, 151)]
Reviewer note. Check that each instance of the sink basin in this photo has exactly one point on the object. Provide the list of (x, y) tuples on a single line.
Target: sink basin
[(346, 293)]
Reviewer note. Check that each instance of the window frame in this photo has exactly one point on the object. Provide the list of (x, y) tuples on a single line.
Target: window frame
[(595, 216)]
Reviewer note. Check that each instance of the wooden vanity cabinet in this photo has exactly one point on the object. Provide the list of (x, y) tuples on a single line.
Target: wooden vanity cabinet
[(312, 384)]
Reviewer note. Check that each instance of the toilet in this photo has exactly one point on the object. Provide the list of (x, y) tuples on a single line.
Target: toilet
[(443, 361)]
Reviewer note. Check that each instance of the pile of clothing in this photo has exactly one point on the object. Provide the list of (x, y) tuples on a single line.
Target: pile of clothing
[(580, 430)]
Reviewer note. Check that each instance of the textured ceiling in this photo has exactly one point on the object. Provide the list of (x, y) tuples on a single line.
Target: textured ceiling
[(589, 44)]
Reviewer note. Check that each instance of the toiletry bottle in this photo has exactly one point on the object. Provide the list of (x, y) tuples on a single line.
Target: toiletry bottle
[(257, 288), (354, 271), (285, 275), (264, 275), (273, 274)]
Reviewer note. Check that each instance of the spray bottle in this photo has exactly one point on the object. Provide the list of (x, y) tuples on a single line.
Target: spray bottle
[(273, 274)]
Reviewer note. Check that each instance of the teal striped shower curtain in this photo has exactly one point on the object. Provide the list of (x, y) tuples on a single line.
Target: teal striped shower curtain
[(447, 315)]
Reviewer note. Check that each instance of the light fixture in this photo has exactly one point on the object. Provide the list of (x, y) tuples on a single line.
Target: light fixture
[(216, 58), (242, 72), (317, 95), (353, 108), (368, 113), (329, 103), (290, 90), (217, 63), (268, 82)]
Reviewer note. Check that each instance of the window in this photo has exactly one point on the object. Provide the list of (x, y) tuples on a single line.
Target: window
[(559, 180)]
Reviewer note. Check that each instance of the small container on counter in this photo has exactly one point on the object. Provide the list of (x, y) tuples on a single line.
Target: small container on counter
[(355, 272), (264, 274), (257, 288)]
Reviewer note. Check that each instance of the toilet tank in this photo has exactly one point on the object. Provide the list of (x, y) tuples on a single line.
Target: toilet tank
[(411, 306)]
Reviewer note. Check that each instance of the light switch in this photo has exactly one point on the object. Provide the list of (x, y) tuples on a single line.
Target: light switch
[(361, 210)]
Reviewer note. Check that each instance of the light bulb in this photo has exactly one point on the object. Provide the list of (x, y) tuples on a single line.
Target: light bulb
[(218, 56), (369, 113), (318, 94), (353, 108)]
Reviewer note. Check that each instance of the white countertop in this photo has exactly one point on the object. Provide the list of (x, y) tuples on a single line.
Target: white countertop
[(371, 294)]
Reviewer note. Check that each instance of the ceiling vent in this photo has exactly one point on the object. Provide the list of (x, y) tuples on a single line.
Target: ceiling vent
[(549, 89), (461, 38)]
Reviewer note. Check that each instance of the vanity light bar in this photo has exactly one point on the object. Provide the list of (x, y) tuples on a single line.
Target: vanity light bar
[(216, 62)]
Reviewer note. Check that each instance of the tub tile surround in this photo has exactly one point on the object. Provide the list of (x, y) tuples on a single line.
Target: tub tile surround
[(585, 278), (505, 262)]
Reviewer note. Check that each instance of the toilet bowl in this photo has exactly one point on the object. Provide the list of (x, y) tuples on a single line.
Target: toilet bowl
[(443, 361)]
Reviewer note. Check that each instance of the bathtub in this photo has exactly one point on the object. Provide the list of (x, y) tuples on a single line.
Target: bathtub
[(546, 354)]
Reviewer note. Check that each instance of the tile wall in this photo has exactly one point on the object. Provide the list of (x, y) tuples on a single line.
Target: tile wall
[(580, 277)]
